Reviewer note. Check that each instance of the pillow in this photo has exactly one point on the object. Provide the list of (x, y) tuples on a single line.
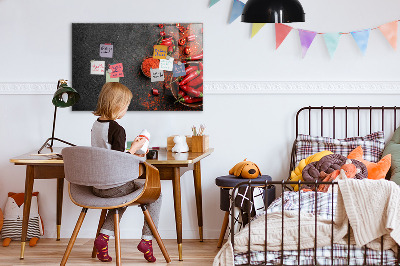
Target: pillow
[(375, 170), (393, 148), (372, 144)]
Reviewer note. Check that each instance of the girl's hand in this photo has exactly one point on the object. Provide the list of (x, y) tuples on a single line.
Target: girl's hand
[(137, 144), (143, 155)]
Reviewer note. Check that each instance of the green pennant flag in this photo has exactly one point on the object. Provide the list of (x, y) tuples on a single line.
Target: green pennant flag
[(213, 2), (256, 27)]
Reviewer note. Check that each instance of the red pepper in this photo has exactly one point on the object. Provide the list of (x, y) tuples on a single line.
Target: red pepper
[(191, 91), (162, 33), (161, 25), (196, 82), (166, 42), (155, 92), (201, 66), (190, 77), (170, 49), (188, 99), (191, 38), (181, 93), (200, 89), (196, 57), (190, 69), (181, 41)]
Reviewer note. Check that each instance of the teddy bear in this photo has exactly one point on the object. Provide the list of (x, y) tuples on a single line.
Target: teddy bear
[(245, 169), (180, 144), (13, 215)]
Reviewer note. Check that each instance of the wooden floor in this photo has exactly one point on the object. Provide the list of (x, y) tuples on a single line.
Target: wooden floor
[(50, 252)]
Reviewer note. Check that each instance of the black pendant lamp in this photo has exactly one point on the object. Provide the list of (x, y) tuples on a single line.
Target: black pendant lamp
[(273, 11)]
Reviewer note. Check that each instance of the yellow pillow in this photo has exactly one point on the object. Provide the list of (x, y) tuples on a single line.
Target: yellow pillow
[(296, 174)]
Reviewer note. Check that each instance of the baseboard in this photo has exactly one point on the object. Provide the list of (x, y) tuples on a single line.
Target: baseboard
[(246, 87)]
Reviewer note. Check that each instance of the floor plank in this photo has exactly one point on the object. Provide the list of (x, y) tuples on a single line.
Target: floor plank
[(49, 252)]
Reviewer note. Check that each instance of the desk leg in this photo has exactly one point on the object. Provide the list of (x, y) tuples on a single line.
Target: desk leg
[(27, 206), (60, 190), (176, 182), (197, 189)]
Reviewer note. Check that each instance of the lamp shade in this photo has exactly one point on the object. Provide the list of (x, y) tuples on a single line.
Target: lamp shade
[(273, 11), (65, 96)]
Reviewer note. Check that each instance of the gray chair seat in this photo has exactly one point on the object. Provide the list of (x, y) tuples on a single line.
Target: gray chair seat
[(83, 196)]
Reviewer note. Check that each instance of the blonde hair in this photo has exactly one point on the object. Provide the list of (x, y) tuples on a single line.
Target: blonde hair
[(112, 99)]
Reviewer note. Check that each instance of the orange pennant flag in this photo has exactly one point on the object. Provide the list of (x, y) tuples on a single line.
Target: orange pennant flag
[(281, 31), (389, 30)]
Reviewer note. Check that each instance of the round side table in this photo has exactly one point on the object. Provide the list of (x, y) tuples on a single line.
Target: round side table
[(226, 183)]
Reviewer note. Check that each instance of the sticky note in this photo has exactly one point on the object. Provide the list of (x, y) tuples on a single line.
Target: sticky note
[(166, 64), (97, 67), (179, 70), (117, 71), (160, 51), (110, 79), (157, 75), (106, 50)]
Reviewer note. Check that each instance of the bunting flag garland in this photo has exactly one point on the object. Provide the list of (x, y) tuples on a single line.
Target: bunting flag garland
[(281, 31), (332, 41), (389, 30), (256, 27), (237, 8), (361, 37), (213, 2), (306, 39)]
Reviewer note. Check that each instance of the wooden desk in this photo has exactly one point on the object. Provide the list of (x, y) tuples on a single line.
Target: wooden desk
[(169, 165)]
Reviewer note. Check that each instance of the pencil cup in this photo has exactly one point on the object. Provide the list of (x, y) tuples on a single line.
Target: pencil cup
[(200, 143)]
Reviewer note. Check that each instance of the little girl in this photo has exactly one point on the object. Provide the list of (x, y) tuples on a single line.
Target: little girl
[(112, 104)]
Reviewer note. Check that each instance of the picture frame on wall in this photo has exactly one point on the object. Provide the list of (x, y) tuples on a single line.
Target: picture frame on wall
[(161, 63)]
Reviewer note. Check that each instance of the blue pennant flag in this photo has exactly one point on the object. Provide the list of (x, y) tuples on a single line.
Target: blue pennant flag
[(332, 41), (361, 37), (213, 2), (237, 9)]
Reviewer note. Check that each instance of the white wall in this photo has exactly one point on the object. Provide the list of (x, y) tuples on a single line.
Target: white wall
[(35, 46)]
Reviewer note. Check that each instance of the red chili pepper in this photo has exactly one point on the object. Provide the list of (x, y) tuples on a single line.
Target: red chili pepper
[(166, 42), (200, 89), (190, 77), (191, 91), (181, 41), (190, 69), (191, 38), (162, 33), (196, 57), (196, 82), (201, 66), (161, 25), (170, 49), (188, 99), (181, 93), (168, 38), (155, 92)]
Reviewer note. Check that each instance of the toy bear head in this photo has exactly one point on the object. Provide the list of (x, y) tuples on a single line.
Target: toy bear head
[(245, 169)]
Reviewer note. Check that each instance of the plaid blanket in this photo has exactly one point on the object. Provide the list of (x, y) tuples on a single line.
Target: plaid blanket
[(323, 205)]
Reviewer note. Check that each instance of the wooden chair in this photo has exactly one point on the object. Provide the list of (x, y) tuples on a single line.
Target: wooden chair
[(85, 167)]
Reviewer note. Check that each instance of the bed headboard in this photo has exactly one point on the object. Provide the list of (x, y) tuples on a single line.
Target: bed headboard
[(344, 121)]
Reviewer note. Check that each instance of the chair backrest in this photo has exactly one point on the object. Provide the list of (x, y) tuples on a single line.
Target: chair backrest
[(92, 166)]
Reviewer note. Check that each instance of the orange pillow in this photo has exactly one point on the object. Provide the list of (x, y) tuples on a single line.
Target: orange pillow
[(375, 170)]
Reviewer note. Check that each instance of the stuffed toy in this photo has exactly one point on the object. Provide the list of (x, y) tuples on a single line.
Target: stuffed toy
[(348, 170), (296, 174), (13, 215), (245, 169), (375, 170), (180, 144)]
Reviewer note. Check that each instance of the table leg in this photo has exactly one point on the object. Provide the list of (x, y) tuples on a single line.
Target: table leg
[(199, 205), (27, 206), (176, 183), (60, 190)]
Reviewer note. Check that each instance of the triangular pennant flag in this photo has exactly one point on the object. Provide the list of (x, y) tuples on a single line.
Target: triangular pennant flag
[(332, 41), (389, 30), (306, 39), (237, 9), (281, 31), (255, 28), (213, 2), (361, 37)]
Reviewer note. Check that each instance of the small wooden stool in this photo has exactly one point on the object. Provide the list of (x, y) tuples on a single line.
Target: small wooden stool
[(226, 183)]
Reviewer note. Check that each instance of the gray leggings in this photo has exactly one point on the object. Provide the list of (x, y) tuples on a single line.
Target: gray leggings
[(154, 208)]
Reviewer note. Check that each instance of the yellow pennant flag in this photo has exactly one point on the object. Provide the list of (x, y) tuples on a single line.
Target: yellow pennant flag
[(255, 28)]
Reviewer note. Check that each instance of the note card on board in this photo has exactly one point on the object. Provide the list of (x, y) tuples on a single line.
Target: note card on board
[(157, 75), (160, 51), (117, 71), (97, 67), (167, 64), (179, 70), (106, 50)]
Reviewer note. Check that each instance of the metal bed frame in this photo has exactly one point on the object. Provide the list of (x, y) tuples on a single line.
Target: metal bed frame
[(283, 184)]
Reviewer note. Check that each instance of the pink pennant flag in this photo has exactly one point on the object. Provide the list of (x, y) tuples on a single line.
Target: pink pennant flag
[(281, 31), (389, 30), (306, 39)]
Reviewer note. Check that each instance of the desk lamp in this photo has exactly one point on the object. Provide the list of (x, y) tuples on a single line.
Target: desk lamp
[(65, 96), (272, 11)]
